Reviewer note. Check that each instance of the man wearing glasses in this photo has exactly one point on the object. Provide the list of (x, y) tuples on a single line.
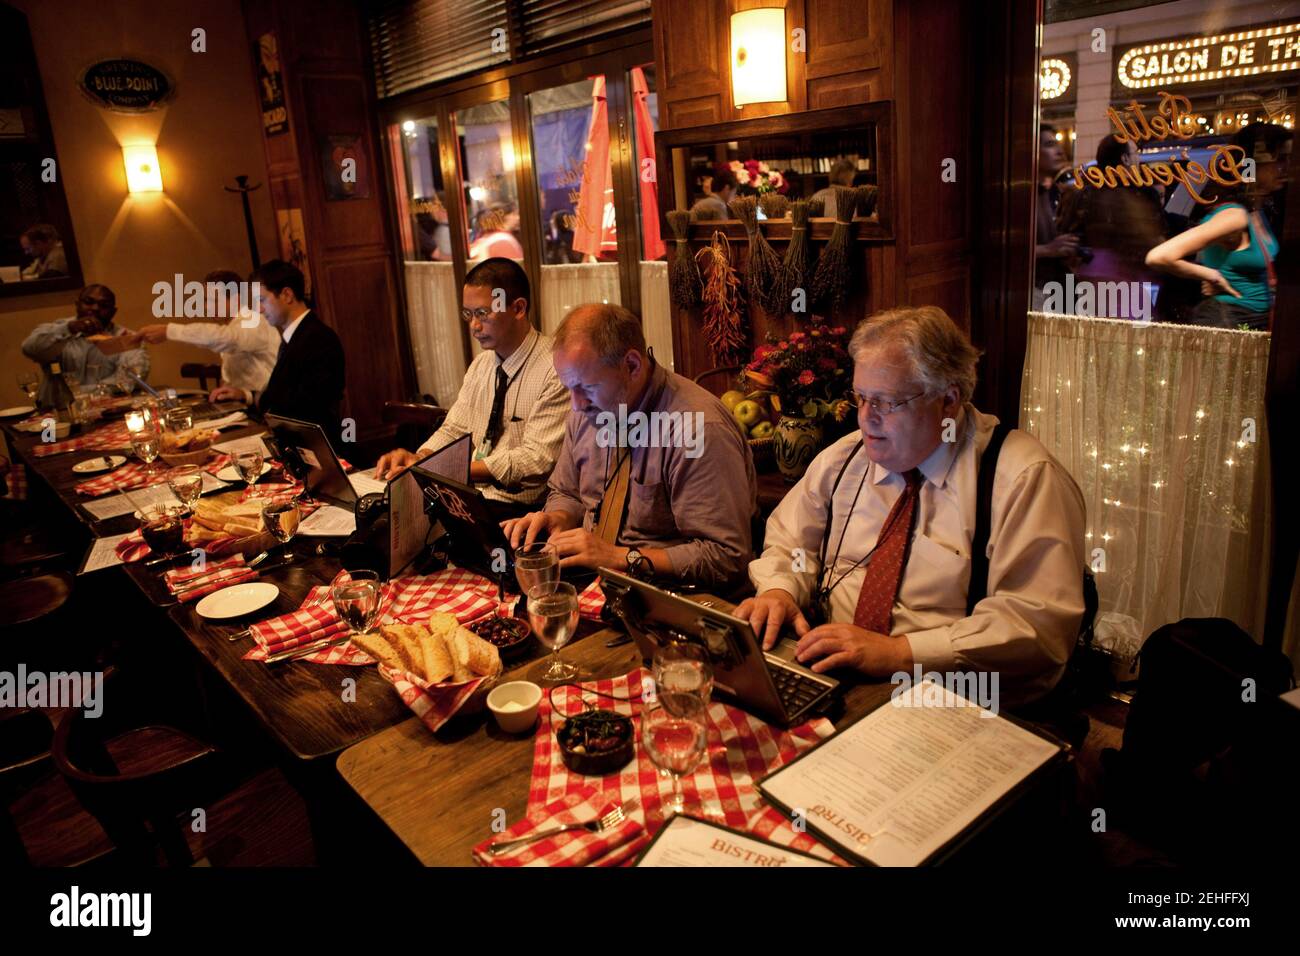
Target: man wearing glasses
[(511, 403), (875, 540)]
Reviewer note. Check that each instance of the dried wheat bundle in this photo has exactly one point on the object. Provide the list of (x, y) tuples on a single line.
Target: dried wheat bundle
[(816, 208), (864, 203), (723, 325), (830, 284), (774, 205), (762, 272), (794, 270), (683, 273)]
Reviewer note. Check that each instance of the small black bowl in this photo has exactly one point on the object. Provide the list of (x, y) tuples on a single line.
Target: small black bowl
[(574, 740), (497, 630)]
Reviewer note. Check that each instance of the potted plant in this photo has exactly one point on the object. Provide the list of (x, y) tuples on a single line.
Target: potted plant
[(807, 375)]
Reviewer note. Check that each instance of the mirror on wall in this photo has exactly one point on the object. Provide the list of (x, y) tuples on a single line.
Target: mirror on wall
[(37, 250)]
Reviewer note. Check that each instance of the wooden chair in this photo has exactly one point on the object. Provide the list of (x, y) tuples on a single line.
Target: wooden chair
[(725, 373), (24, 759), (202, 373), (415, 422), (138, 805)]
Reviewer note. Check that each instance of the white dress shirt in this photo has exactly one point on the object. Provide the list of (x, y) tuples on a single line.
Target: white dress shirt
[(536, 407), (247, 344), (1024, 629), (292, 327)]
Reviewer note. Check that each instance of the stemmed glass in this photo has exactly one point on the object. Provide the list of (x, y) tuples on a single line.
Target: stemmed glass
[(356, 597), (29, 380), (146, 444), (180, 418), (682, 669), (553, 613), (676, 738), (281, 516), (186, 483), (249, 466), (537, 565)]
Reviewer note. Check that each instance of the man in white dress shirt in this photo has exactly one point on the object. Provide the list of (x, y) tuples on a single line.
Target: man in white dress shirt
[(246, 342), (905, 488), (511, 403)]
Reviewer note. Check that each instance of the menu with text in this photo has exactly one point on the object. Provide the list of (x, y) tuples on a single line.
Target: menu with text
[(896, 786), (685, 841)]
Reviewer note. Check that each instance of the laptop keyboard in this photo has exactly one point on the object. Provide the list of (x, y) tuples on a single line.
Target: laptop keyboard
[(796, 690)]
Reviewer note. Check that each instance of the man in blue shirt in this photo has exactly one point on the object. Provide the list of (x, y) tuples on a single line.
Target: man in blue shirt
[(73, 343)]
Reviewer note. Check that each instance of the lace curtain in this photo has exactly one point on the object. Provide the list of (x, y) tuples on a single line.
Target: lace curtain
[(1163, 428), (433, 301)]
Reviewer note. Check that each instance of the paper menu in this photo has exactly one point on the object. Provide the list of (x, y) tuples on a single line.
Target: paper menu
[(685, 841), (237, 446), (328, 521), (122, 504), (103, 553), (898, 785)]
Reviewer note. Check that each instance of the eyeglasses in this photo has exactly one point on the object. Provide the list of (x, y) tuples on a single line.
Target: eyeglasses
[(469, 314), (879, 407)]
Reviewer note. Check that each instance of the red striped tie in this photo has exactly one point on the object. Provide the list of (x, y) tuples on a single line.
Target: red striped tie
[(885, 570)]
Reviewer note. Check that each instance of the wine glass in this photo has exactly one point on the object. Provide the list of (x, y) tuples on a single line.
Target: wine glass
[(180, 418), (675, 738), (29, 380), (682, 668), (537, 565), (163, 529), (146, 444), (186, 483), (281, 516), (249, 466), (553, 613), (356, 597)]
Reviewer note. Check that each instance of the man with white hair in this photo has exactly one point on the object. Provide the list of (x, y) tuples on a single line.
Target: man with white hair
[(875, 540)]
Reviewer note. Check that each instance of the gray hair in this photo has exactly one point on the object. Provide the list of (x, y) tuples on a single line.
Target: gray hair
[(611, 331), (939, 352)]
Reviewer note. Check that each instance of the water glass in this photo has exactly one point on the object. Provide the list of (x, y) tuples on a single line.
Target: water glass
[(553, 613), (356, 596), (249, 466), (186, 483), (682, 669), (180, 418), (537, 565), (675, 739), (281, 517)]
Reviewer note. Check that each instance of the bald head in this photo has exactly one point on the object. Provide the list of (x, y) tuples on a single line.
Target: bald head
[(600, 356)]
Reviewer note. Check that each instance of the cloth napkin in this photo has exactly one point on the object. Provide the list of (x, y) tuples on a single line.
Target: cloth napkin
[(214, 577), (591, 602), (132, 548), (614, 847), (104, 438)]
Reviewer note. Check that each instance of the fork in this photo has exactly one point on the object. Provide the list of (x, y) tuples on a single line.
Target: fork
[(607, 822)]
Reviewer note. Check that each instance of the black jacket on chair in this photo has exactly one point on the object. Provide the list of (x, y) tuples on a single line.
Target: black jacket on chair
[(307, 381)]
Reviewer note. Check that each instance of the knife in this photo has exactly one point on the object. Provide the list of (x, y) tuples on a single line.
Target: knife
[(298, 652)]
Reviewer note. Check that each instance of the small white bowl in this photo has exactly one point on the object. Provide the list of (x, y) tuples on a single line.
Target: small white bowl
[(514, 705)]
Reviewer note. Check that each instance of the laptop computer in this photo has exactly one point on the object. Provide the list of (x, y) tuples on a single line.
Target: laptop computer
[(770, 683), (465, 515), (309, 456)]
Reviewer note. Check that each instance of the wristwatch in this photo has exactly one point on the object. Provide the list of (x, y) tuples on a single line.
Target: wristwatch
[(638, 565)]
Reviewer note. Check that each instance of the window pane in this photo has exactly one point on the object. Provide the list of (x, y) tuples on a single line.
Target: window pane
[(575, 185), (425, 234), (487, 162)]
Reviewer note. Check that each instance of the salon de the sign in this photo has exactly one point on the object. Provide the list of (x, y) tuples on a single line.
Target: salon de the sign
[(1204, 59)]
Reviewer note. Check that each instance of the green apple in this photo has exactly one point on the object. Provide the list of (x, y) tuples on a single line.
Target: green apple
[(748, 413), (761, 430), (732, 398)]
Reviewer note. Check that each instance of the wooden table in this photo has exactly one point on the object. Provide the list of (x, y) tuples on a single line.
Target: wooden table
[(437, 792)]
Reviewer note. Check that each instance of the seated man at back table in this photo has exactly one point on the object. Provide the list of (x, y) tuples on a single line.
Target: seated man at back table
[(511, 402), (247, 344), (308, 379), (884, 519), (655, 477), (72, 344)]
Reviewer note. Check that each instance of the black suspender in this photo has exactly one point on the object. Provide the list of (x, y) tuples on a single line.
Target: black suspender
[(979, 560)]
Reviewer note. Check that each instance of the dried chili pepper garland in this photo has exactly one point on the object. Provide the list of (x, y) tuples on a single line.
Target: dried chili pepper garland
[(794, 270), (723, 325), (761, 272), (830, 284), (683, 272)]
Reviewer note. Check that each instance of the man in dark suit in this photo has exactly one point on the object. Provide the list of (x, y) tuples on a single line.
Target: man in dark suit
[(307, 381)]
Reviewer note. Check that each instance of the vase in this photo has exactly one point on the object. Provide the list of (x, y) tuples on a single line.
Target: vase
[(798, 440)]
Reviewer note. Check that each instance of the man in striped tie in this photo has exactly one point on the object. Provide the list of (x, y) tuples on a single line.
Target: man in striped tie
[(876, 540)]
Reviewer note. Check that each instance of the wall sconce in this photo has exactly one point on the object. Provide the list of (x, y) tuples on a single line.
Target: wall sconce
[(758, 56), (143, 174)]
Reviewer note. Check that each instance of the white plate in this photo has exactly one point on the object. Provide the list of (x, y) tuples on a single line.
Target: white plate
[(237, 600), (16, 411), (231, 474), (92, 465)]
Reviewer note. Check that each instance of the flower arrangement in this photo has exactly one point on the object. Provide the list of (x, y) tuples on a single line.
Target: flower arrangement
[(808, 373), (758, 177)]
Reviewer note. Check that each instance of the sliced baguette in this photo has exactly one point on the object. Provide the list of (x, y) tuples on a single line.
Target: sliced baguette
[(473, 655), (379, 649), (392, 633), (438, 665)]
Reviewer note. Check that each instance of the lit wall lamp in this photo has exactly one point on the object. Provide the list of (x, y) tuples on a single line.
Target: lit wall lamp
[(143, 174), (758, 56)]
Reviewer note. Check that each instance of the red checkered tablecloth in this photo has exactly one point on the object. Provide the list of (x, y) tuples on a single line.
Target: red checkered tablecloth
[(614, 847), (105, 438), (741, 750), (16, 482), (135, 474)]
